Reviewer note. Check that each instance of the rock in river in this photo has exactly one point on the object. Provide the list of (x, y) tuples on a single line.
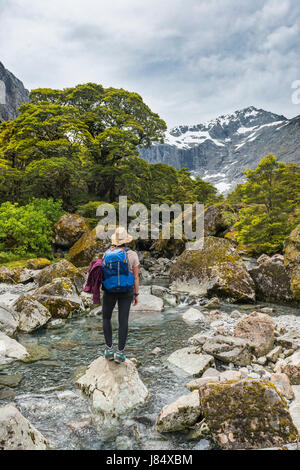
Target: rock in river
[(193, 315), (216, 269), (11, 350), (58, 270), (191, 361), (59, 297), (181, 414), (258, 329), (229, 349), (115, 389), (31, 314), (8, 321), (246, 414), (17, 433)]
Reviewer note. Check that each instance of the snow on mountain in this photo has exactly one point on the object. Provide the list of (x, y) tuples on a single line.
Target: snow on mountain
[(220, 150)]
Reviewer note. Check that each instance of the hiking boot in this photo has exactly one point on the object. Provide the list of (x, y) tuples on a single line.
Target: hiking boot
[(119, 357), (109, 354)]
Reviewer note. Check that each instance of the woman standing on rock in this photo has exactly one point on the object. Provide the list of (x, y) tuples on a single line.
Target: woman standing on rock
[(120, 284)]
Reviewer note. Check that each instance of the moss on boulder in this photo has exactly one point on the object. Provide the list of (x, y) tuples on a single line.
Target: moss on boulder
[(217, 269), (292, 260), (246, 414), (37, 263), (59, 297), (68, 229), (86, 248), (63, 269)]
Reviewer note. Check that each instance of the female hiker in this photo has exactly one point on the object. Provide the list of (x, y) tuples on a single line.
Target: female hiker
[(120, 285)]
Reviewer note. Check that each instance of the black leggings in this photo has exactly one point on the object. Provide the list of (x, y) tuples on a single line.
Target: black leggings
[(124, 303)]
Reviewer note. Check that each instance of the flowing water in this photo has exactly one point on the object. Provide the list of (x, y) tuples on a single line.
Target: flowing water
[(48, 397)]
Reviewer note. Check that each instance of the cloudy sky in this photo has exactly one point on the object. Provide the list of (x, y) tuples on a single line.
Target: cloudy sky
[(191, 60)]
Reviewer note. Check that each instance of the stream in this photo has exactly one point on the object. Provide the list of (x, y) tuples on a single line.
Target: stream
[(48, 397)]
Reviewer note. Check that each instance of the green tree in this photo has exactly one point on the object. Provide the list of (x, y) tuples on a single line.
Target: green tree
[(27, 229), (272, 196)]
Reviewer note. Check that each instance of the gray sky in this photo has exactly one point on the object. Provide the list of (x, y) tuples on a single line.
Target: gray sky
[(191, 60)]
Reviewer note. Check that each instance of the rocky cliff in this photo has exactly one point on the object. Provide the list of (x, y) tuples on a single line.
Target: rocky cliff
[(12, 94), (220, 150)]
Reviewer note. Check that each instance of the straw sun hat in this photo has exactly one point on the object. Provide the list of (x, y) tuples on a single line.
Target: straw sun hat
[(120, 237)]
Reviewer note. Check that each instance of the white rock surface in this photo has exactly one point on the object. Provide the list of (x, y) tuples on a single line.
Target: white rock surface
[(17, 433), (31, 314), (115, 389), (190, 361), (8, 322), (295, 406), (193, 315), (148, 303), (10, 350)]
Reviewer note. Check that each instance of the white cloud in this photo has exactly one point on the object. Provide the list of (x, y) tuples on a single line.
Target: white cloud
[(190, 59)]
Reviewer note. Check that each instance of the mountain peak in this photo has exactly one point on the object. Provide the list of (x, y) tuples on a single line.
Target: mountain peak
[(220, 150)]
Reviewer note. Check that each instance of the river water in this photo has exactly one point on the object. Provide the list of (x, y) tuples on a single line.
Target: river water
[(48, 397)]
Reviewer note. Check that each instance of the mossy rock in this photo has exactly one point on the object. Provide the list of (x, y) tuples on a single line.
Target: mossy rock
[(295, 283), (246, 414), (37, 263), (87, 248), (292, 249), (6, 275), (68, 230), (62, 269), (36, 352), (216, 268)]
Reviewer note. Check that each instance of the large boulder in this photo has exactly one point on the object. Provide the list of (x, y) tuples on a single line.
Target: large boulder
[(59, 297), (8, 321), (17, 433), (272, 280), (216, 269), (181, 414), (191, 361), (246, 414), (229, 349), (292, 249), (295, 283), (115, 389), (59, 270), (68, 229), (87, 248), (295, 406), (31, 313), (258, 329), (11, 350), (214, 220), (292, 260)]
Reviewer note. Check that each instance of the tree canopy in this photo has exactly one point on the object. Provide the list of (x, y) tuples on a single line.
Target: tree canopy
[(271, 195)]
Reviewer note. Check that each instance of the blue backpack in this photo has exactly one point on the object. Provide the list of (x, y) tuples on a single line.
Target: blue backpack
[(116, 274)]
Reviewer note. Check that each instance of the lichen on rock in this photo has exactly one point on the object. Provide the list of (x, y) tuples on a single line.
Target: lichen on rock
[(217, 268), (246, 414)]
